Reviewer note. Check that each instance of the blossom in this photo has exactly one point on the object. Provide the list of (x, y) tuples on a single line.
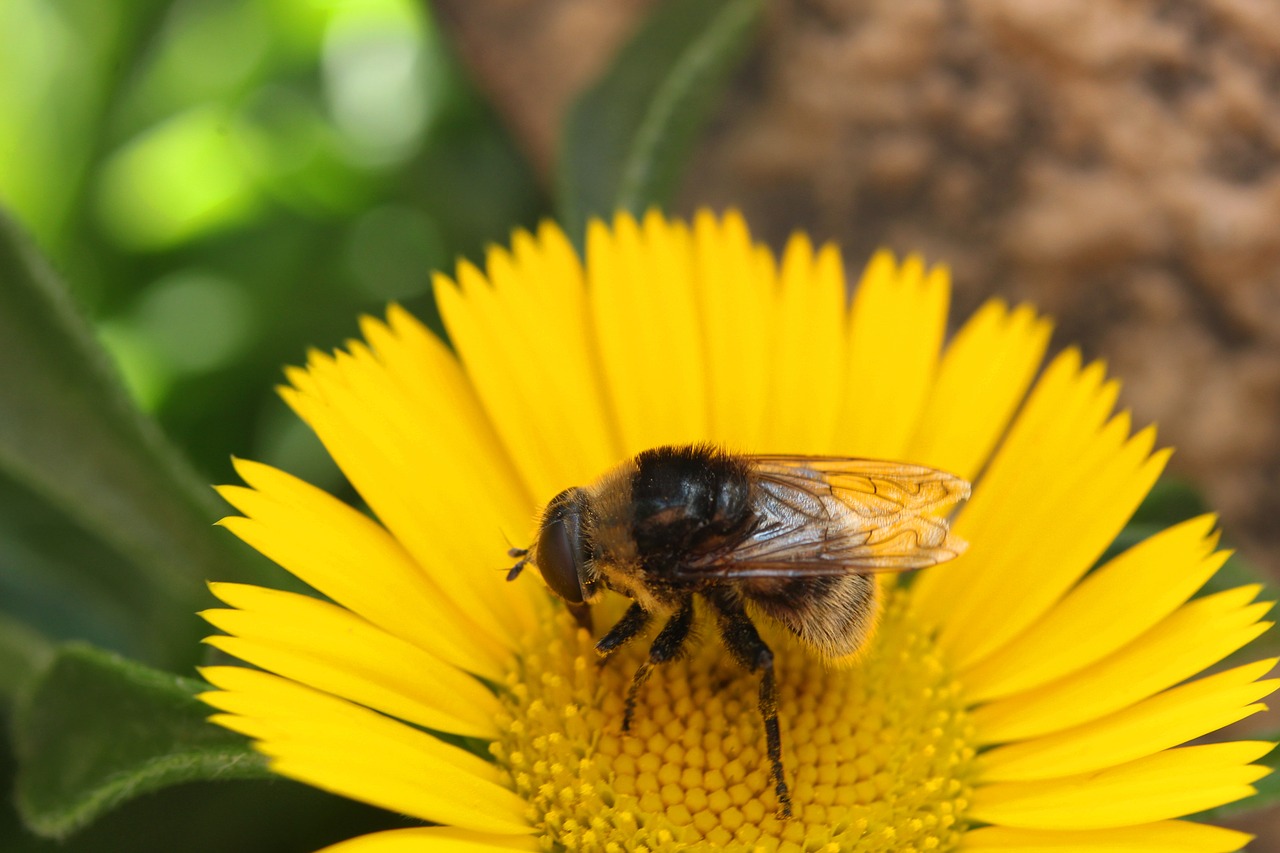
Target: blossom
[(1020, 697)]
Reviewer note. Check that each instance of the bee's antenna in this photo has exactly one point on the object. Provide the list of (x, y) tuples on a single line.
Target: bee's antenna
[(523, 554)]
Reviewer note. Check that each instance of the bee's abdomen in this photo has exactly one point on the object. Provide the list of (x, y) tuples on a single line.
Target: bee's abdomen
[(683, 498), (834, 615)]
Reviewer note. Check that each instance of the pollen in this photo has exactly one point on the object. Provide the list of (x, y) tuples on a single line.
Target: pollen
[(879, 754)]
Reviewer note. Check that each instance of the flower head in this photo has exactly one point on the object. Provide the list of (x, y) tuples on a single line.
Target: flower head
[(1020, 697)]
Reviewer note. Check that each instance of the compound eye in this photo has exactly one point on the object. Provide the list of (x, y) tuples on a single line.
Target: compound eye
[(560, 554)]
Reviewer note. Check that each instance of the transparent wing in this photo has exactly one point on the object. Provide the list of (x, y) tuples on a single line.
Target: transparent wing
[(820, 516)]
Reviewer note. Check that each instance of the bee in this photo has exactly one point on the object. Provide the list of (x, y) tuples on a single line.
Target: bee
[(794, 539)]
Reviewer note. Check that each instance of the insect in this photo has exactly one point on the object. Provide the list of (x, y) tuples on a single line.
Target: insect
[(794, 539)]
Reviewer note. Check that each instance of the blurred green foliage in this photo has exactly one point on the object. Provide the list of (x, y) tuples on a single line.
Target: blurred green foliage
[(224, 183)]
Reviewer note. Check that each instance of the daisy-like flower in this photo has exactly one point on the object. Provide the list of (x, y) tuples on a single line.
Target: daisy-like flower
[(1019, 698)]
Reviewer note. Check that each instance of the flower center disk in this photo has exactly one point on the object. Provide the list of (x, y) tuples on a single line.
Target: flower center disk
[(878, 754)]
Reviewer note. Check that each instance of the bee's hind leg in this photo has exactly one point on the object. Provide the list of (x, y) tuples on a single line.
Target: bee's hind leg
[(666, 645), (743, 642)]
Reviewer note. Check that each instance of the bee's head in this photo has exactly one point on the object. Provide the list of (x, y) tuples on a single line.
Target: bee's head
[(563, 551)]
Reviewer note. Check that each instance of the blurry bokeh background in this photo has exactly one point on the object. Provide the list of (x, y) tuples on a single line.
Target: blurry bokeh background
[(225, 183)]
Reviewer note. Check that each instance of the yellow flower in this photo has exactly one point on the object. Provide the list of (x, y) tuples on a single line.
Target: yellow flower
[(1011, 700)]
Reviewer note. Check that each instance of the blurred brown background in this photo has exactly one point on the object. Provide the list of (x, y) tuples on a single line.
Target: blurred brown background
[(1116, 163)]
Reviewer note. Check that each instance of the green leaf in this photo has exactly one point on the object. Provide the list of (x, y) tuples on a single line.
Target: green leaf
[(61, 582), (72, 439), (23, 652), (1170, 501), (97, 730), (626, 139)]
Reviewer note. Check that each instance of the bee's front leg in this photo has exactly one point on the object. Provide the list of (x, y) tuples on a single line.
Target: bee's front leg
[(635, 620), (666, 645), (582, 615)]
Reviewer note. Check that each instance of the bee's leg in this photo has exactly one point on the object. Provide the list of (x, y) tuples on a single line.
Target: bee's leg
[(582, 615), (665, 647), (635, 620), (743, 642)]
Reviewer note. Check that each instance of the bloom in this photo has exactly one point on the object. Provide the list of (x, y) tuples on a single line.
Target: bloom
[(1012, 699)]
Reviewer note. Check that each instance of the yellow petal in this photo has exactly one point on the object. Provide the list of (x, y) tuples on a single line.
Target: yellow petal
[(404, 395), (523, 334), (806, 376), (329, 648), (896, 326), (736, 302), (1170, 836), (333, 744), (984, 374), (1110, 607), (648, 330), (355, 562), (433, 839), (1196, 636), (940, 597), (1162, 786), (398, 476), (423, 371), (1058, 492), (1075, 525), (1176, 716)]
